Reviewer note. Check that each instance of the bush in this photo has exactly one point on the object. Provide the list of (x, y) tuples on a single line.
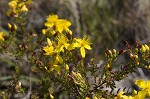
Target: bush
[(53, 64)]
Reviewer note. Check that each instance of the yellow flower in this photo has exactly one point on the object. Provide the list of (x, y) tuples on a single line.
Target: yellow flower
[(134, 91), (147, 47), (24, 8), (13, 4), (53, 67), (121, 96), (62, 43), (83, 43), (57, 69), (62, 25), (49, 49), (51, 20), (59, 59), (145, 85), (17, 7), (58, 24), (2, 35), (140, 95)]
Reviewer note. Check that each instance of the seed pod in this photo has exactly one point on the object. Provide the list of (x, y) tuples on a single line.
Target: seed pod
[(121, 51), (136, 44)]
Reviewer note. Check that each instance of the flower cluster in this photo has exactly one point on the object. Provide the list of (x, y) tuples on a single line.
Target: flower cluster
[(17, 7), (140, 55), (55, 25), (62, 42), (57, 60), (142, 94)]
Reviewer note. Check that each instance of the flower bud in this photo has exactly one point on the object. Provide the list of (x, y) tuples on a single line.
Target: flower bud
[(43, 31), (51, 96), (137, 63), (143, 49), (110, 52), (95, 97), (148, 66), (67, 67), (107, 66), (15, 27), (9, 25), (135, 92), (87, 98), (70, 32), (136, 50), (18, 86), (131, 55), (136, 56), (147, 47), (24, 8), (114, 51)]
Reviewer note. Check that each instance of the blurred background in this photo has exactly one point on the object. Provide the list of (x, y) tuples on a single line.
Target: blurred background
[(109, 23)]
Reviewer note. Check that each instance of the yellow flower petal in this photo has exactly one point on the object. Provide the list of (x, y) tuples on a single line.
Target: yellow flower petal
[(49, 42), (142, 94), (48, 50), (57, 69), (76, 45), (12, 4), (140, 83), (51, 20), (59, 59), (2, 35), (88, 47), (82, 51), (24, 8)]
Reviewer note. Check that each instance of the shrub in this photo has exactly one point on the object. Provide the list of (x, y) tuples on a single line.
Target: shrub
[(55, 61)]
